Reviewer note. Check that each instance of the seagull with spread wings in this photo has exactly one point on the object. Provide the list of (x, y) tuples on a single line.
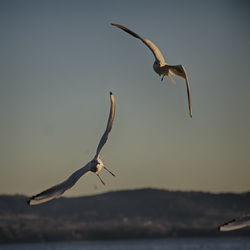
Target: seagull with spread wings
[(95, 166), (240, 222), (160, 66)]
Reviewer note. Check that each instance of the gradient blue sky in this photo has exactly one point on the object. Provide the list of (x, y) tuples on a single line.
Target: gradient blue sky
[(60, 59)]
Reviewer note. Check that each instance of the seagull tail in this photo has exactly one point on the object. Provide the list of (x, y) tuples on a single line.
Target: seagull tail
[(171, 79)]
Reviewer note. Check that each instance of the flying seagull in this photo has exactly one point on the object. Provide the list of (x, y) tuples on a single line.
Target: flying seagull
[(240, 222), (160, 66), (95, 166)]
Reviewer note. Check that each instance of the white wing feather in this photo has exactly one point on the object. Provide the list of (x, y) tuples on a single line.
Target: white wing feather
[(157, 53), (179, 70), (235, 224), (58, 190), (109, 126)]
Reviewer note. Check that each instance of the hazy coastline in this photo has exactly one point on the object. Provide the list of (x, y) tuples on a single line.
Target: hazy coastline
[(128, 214)]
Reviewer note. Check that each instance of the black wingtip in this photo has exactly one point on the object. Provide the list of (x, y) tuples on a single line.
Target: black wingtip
[(117, 25), (29, 200)]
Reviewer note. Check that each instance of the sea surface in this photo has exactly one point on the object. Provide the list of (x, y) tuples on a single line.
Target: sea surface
[(166, 244)]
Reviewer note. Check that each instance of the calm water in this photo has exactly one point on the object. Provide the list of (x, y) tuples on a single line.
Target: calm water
[(166, 244)]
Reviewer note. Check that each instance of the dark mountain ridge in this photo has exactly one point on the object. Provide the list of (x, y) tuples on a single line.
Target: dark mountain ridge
[(141, 213)]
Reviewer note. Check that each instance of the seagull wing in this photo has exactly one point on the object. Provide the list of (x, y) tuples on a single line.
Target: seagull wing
[(157, 53), (109, 125), (58, 190), (179, 70), (235, 224)]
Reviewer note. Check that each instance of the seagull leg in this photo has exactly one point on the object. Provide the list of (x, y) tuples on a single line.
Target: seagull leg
[(108, 171), (162, 78), (101, 179)]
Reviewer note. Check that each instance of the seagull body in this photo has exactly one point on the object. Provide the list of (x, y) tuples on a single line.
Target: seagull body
[(95, 166), (160, 66), (235, 224)]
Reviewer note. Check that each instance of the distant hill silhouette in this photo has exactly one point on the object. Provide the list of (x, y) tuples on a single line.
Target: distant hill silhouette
[(144, 213)]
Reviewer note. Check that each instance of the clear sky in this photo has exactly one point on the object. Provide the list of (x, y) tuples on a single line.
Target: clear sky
[(60, 59)]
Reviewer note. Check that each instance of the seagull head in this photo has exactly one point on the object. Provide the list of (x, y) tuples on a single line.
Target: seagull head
[(99, 163), (96, 165), (157, 66)]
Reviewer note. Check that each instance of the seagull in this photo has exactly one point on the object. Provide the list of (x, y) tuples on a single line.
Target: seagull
[(160, 66), (95, 166), (240, 222)]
